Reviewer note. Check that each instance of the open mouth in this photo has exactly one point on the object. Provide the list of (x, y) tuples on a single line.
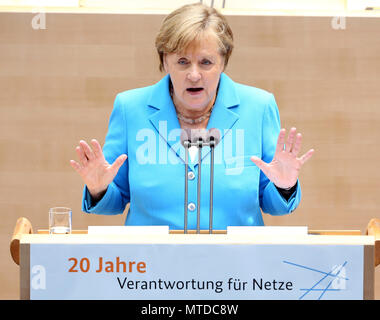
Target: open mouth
[(194, 90)]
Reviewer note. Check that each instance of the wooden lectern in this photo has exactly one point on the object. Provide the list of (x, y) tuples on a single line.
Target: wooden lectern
[(176, 266)]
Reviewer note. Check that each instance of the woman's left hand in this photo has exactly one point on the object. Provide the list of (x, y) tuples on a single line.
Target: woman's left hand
[(284, 169)]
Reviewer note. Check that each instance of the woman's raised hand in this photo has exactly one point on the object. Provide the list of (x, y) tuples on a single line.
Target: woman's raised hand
[(94, 169), (284, 169)]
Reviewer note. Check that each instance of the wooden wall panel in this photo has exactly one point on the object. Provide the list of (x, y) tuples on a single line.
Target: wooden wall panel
[(58, 85)]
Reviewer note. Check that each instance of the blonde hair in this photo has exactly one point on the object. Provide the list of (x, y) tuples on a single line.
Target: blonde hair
[(191, 23)]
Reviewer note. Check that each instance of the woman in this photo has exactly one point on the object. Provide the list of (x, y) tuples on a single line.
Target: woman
[(255, 167)]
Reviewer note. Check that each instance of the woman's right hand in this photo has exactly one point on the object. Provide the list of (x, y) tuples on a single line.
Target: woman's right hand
[(94, 169)]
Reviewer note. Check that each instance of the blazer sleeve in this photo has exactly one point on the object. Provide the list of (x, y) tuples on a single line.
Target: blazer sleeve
[(117, 195), (271, 200)]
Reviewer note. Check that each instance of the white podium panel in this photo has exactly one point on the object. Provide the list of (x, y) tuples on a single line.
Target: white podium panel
[(199, 267)]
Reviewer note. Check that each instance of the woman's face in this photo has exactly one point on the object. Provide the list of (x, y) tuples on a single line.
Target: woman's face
[(195, 75)]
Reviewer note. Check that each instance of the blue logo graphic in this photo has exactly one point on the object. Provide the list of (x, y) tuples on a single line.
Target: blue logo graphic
[(336, 284)]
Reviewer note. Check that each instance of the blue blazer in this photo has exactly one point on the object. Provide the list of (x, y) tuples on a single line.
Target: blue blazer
[(144, 125)]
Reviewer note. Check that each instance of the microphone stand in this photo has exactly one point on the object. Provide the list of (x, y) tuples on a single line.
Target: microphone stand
[(212, 147), (199, 138), (186, 145), (199, 145)]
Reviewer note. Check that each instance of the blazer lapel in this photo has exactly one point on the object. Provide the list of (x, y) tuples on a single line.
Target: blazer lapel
[(165, 122), (223, 116)]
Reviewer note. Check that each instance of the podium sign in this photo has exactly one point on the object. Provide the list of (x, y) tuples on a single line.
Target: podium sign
[(177, 267)]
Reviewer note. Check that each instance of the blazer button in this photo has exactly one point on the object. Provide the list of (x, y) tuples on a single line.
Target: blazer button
[(191, 206), (191, 175)]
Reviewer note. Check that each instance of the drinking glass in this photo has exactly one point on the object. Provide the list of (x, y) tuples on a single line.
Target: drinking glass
[(59, 220)]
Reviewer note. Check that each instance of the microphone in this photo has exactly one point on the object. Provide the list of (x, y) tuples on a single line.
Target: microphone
[(213, 135), (194, 136)]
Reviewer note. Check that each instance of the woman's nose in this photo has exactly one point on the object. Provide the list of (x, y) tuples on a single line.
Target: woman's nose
[(194, 75)]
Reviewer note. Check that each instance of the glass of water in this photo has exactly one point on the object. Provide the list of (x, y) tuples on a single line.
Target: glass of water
[(59, 220)]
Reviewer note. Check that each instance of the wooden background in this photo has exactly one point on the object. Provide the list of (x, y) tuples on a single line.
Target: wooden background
[(57, 86)]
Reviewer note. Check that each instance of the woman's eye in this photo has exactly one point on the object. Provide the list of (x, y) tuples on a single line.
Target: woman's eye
[(182, 61), (206, 62)]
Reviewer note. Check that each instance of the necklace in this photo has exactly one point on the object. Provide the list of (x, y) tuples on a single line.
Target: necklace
[(181, 117), (193, 121)]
